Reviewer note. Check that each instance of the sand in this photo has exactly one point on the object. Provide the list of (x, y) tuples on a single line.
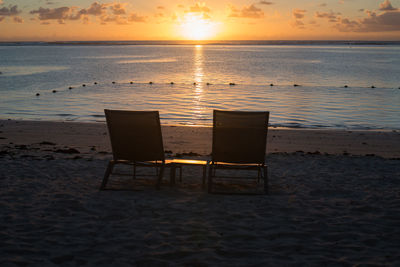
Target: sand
[(328, 205)]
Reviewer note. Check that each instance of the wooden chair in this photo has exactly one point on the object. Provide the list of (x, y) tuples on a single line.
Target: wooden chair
[(239, 142), (136, 139)]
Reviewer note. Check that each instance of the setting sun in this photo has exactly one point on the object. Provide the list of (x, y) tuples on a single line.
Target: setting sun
[(195, 27)]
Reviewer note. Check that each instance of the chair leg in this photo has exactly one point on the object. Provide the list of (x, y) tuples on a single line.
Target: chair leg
[(109, 169), (160, 176), (203, 183), (266, 179), (210, 174)]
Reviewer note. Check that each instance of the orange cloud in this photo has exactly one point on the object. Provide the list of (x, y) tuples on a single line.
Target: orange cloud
[(386, 6), (246, 12), (107, 12), (18, 20), (298, 13), (9, 11)]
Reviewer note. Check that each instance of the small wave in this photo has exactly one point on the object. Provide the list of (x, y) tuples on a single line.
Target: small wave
[(64, 114), (154, 60)]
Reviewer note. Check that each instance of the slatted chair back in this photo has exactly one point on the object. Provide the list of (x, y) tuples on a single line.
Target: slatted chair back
[(239, 136), (135, 135)]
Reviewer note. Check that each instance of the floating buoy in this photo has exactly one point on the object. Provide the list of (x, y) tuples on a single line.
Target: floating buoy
[(271, 84), (171, 82), (54, 91), (37, 94), (95, 82), (113, 82), (70, 87), (194, 83), (372, 86), (295, 85), (131, 82), (208, 83), (345, 86), (83, 85), (150, 82), (232, 83)]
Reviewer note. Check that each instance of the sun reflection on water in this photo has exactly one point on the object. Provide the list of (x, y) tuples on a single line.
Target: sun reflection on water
[(198, 86)]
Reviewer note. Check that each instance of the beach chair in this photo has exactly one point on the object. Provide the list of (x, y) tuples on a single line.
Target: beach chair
[(136, 139), (239, 142)]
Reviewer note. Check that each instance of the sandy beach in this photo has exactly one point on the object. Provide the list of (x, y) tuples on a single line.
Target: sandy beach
[(334, 200)]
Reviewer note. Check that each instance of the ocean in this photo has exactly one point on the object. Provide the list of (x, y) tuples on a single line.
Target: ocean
[(346, 85)]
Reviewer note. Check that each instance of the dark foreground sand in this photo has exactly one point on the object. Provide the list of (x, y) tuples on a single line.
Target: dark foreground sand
[(335, 210)]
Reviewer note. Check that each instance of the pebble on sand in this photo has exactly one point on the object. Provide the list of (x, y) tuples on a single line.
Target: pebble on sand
[(271, 84), (171, 82), (83, 85), (373, 87), (54, 91), (70, 87), (295, 85), (37, 94), (150, 82), (346, 86), (232, 83)]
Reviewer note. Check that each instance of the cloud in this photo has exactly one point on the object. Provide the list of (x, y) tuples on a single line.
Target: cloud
[(95, 9), (60, 13), (386, 6), (9, 11), (331, 16), (299, 13), (104, 12), (246, 12), (136, 18), (199, 8), (384, 22), (18, 19), (118, 9), (298, 24), (265, 3)]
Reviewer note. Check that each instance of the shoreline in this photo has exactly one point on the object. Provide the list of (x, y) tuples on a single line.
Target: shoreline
[(84, 136)]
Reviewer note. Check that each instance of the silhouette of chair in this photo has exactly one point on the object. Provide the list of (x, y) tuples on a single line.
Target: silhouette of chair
[(136, 140), (239, 142)]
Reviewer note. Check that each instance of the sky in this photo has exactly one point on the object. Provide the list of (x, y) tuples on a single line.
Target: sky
[(85, 20)]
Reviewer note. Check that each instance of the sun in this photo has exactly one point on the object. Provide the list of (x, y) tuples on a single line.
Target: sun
[(195, 27)]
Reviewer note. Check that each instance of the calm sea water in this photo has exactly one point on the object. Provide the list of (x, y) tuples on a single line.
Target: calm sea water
[(201, 76)]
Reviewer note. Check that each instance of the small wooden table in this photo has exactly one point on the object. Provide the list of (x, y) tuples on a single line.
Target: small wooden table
[(178, 163)]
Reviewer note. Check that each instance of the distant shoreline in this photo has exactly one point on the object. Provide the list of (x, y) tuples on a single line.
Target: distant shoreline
[(208, 42)]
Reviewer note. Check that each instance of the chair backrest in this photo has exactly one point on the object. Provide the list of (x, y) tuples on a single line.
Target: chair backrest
[(239, 136), (135, 135)]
